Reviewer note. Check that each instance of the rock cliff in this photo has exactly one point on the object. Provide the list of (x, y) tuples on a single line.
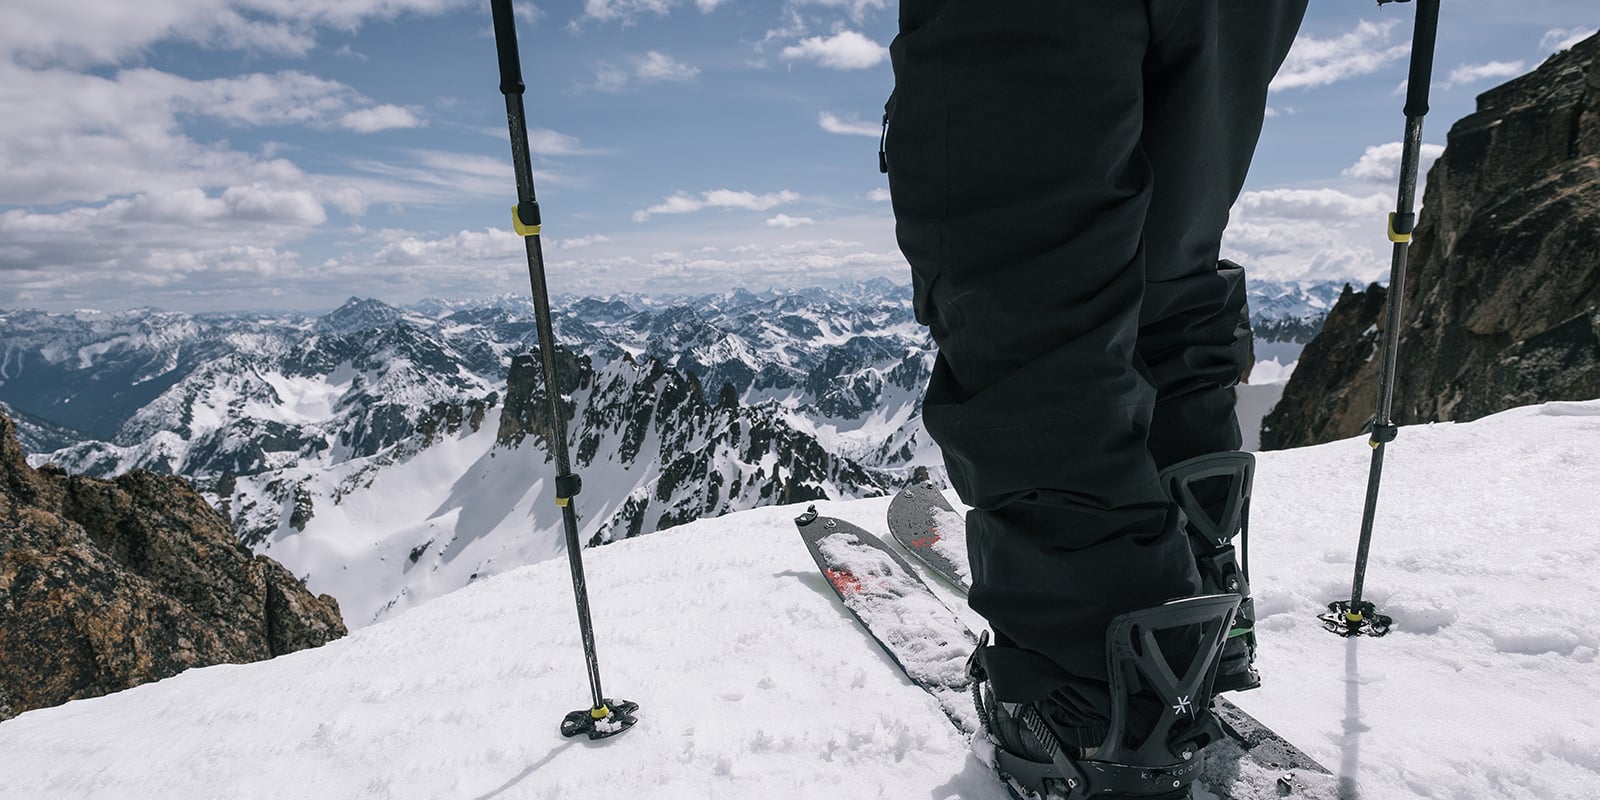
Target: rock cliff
[(1502, 299), (105, 585)]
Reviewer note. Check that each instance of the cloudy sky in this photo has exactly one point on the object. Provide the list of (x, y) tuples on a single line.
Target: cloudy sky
[(237, 154)]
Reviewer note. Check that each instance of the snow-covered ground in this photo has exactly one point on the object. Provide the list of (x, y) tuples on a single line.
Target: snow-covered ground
[(755, 683)]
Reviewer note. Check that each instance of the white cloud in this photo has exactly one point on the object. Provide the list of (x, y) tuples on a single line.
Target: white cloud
[(440, 176), (625, 10), (657, 66), (1472, 73), (856, 8), (527, 12), (81, 33), (792, 26), (1318, 62), (843, 51), (156, 246), (76, 137), (1382, 162), (879, 195), (576, 242), (191, 209), (610, 78), (652, 67), (263, 204), (546, 142), (258, 99), (786, 221), (1313, 204), (682, 203), (1294, 234), (1557, 39), (379, 118), (832, 123), (774, 261), (463, 247)]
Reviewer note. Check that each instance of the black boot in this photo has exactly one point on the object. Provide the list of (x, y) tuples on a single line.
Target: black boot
[(1213, 491), (1160, 722)]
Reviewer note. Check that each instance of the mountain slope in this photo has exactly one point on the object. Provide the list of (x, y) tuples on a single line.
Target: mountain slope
[(338, 444), (754, 682)]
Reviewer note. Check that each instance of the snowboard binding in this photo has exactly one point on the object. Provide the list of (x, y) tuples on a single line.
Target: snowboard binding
[(1213, 492), (1158, 763)]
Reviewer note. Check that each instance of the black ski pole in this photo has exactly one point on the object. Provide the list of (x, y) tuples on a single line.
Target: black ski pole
[(1358, 617), (605, 717)]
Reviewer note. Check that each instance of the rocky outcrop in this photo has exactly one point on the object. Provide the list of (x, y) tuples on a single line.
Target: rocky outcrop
[(692, 458), (105, 585), (1340, 388), (1502, 300)]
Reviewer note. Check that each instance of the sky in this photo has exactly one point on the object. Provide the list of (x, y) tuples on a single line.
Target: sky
[(215, 155)]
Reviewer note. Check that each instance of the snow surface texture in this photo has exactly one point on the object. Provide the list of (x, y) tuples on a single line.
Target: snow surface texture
[(931, 641), (754, 682), (954, 551)]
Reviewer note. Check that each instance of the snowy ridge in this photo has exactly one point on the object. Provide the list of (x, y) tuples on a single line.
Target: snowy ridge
[(476, 497), (683, 408), (754, 682), (849, 361)]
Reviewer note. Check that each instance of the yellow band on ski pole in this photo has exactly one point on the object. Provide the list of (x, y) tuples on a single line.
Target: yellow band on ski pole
[(1397, 238), (523, 230)]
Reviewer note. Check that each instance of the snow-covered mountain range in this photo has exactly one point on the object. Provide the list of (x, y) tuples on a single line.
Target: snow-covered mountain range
[(383, 454)]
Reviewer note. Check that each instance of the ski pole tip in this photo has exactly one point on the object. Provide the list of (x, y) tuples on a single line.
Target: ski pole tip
[(608, 719)]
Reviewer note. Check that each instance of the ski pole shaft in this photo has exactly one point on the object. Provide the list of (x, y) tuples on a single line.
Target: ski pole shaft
[(1401, 224), (526, 221)]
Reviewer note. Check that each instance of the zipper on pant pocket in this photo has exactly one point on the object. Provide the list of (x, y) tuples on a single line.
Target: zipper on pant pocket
[(883, 138)]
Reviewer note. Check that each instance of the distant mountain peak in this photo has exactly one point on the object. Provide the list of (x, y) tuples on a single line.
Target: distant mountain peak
[(358, 314)]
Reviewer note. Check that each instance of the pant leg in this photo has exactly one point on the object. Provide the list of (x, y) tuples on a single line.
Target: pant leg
[(1025, 168), (1021, 193), (1206, 91)]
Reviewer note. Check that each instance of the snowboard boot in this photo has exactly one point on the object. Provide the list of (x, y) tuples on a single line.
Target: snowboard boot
[(1153, 755), (1213, 492)]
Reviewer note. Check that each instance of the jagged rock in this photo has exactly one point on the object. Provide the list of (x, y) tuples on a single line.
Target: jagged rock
[(1341, 386), (1502, 295), (644, 417), (105, 585), (527, 411)]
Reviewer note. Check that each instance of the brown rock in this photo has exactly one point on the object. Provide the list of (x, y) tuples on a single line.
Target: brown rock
[(106, 585), (1502, 297), (1315, 406)]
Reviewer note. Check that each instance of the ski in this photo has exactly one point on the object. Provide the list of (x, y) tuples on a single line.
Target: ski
[(931, 530), (923, 522), (920, 633)]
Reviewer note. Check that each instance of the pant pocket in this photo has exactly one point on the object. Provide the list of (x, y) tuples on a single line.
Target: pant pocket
[(1238, 304), (915, 153)]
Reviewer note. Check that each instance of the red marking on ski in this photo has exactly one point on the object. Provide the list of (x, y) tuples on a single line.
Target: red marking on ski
[(844, 582), (926, 541)]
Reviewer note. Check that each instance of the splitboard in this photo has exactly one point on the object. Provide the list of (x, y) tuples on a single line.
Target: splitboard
[(931, 644), (923, 636), (933, 532)]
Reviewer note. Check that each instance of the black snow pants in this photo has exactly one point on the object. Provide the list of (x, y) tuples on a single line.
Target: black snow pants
[(1061, 174)]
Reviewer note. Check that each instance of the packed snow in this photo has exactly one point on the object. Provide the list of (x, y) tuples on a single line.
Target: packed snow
[(754, 682)]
